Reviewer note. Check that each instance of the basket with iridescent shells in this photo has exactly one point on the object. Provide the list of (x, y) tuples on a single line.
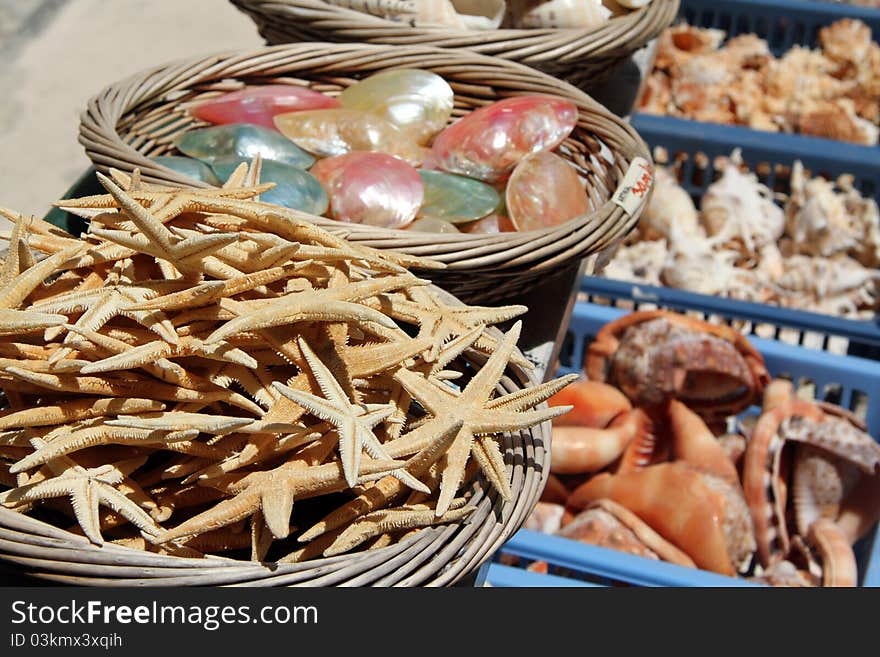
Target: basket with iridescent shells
[(577, 149), (205, 396), (582, 41)]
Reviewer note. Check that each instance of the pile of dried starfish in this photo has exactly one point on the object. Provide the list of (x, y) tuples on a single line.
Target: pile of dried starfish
[(828, 92), (200, 374)]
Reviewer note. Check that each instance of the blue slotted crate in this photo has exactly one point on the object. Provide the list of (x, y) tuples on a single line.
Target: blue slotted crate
[(587, 564), (783, 23), (690, 150)]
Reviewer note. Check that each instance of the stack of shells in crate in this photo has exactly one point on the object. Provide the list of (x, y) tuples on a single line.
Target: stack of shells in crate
[(815, 247), (663, 458)]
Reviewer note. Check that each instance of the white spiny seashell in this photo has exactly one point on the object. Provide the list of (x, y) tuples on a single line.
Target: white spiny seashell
[(559, 13), (438, 12), (383, 8), (480, 14)]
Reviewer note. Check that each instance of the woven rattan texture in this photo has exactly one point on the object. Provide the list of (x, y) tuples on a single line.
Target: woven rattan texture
[(582, 56)]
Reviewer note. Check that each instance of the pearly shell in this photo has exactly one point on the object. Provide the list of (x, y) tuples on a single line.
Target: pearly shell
[(418, 102), (491, 225), (564, 14), (544, 191), (188, 166), (241, 140), (432, 225), (489, 142), (332, 132), (257, 105), (456, 199), (294, 188), (371, 188)]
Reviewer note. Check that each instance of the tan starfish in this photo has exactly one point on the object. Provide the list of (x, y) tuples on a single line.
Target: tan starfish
[(188, 346), (397, 519), (104, 434), (273, 492), (332, 304), (354, 422), (87, 488), (18, 322), (209, 292), (128, 387), (21, 285), (470, 406), (71, 411), (443, 322)]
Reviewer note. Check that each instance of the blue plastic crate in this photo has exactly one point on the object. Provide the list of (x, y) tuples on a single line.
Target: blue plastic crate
[(783, 23), (689, 150), (840, 378)]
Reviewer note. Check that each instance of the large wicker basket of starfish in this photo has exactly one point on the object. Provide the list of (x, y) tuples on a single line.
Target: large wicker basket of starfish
[(145, 115), (578, 40), (183, 384)]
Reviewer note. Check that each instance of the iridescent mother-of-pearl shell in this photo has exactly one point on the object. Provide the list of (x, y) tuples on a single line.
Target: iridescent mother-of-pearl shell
[(327, 133), (371, 188), (432, 225), (294, 188), (488, 143), (188, 167), (257, 105), (544, 191), (242, 140), (494, 223), (455, 198), (417, 102)]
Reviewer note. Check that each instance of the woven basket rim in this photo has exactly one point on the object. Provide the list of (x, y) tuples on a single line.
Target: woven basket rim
[(61, 556), (626, 32), (532, 251)]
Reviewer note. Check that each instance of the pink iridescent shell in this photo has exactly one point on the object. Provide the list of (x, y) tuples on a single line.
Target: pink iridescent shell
[(257, 105), (488, 143), (544, 191), (371, 188)]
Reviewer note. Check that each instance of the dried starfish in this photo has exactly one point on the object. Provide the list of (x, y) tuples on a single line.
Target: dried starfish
[(332, 304), (479, 421), (354, 422), (272, 492), (442, 322), (87, 488)]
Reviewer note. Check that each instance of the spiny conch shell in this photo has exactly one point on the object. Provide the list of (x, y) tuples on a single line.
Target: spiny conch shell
[(390, 9), (738, 207), (481, 14), (438, 13), (670, 207), (563, 14)]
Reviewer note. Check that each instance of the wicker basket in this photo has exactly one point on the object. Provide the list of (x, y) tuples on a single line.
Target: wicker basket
[(581, 56), (435, 556), (142, 115)]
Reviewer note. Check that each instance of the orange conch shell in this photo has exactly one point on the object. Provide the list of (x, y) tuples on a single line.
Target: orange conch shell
[(694, 443), (578, 450), (838, 561), (595, 404), (700, 514), (607, 524)]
